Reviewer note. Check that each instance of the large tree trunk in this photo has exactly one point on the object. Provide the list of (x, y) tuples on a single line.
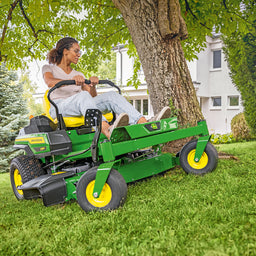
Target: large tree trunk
[(156, 28)]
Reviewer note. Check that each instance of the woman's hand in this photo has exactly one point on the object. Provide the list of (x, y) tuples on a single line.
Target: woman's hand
[(94, 80), (79, 80), (91, 87)]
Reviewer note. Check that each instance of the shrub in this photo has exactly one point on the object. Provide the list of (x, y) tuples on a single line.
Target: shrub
[(240, 128), (222, 138)]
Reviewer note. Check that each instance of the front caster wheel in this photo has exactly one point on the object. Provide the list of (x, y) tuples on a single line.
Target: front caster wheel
[(112, 196), (23, 169), (207, 163)]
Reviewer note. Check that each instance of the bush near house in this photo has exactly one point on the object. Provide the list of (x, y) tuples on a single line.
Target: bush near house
[(222, 138), (240, 128)]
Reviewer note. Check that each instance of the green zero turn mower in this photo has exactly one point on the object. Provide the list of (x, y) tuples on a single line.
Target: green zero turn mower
[(63, 163)]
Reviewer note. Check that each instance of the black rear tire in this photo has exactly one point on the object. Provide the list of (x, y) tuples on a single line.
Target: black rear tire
[(112, 196), (207, 163), (23, 169)]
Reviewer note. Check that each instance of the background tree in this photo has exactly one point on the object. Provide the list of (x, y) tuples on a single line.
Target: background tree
[(156, 28), (13, 114), (107, 68), (241, 54), (29, 89)]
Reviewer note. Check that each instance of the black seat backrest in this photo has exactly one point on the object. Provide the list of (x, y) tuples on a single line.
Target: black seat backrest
[(40, 124)]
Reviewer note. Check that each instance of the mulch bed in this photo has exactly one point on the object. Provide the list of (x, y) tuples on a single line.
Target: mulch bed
[(223, 155), (176, 146)]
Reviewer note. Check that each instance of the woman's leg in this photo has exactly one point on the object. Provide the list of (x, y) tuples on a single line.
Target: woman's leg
[(75, 105), (112, 101)]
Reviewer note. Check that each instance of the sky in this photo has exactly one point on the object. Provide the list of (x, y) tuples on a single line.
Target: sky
[(35, 75)]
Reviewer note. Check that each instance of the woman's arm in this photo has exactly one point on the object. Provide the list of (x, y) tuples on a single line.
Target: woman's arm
[(50, 80), (90, 88)]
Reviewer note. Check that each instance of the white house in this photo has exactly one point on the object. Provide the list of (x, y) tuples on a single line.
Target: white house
[(219, 99)]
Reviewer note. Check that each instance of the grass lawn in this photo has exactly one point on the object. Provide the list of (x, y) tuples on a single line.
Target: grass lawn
[(170, 214)]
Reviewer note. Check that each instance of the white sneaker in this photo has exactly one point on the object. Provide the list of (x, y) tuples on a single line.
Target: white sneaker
[(122, 120), (164, 113)]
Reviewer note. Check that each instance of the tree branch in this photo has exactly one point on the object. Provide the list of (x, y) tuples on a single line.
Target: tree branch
[(163, 19), (29, 49), (224, 3), (189, 9), (108, 36), (46, 31), (4, 6), (9, 17), (35, 34), (105, 5), (241, 17), (27, 19), (170, 21)]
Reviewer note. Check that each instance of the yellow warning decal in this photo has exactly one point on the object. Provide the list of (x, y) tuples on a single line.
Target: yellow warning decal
[(34, 140), (57, 173)]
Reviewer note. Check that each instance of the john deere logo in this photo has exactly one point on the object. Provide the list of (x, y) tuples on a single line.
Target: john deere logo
[(154, 126)]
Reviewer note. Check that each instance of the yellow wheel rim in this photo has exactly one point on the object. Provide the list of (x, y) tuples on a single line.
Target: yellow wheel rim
[(17, 180), (104, 198), (197, 165)]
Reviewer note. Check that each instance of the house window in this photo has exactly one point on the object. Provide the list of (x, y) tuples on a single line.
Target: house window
[(138, 105), (141, 105), (233, 101), (145, 107), (217, 59), (216, 101)]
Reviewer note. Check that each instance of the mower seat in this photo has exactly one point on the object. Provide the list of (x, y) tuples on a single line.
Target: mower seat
[(73, 121)]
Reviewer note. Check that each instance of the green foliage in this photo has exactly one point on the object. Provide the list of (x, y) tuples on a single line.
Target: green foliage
[(170, 214), (224, 17), (99, 26), (174, 111), (240, 128), (134, 80), (107, 68), (241, 54), (33, 27), (13, 113), (29, 89), (222, 138)]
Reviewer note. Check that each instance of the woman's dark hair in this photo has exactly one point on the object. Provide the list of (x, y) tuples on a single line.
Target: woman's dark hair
[(55, 54)]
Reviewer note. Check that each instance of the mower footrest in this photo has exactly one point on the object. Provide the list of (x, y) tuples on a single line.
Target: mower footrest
[(51, 187), (60, 143)]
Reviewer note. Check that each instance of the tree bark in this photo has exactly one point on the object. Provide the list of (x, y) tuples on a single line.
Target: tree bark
[(156, 33)]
